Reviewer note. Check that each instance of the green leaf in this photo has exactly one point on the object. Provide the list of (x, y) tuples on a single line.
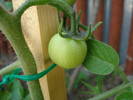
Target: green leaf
[(27, 97), (101, 58), (126, 95), (5, 95), (17, 91)]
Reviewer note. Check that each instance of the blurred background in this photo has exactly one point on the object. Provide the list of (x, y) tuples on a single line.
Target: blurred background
[(116, 30)]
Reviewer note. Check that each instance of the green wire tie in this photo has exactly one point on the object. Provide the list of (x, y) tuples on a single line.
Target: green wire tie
[(11, 77)]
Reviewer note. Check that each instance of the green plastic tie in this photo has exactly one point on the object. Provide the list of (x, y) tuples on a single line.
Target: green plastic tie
[(9, 78)]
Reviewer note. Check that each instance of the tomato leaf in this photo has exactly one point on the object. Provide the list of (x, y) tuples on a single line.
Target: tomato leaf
[(126, 95), (27, 97), (17, 91), (5, 95), (101, 58)]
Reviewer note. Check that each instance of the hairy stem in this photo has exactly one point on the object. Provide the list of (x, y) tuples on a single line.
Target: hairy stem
[(3, 13), (59, 4), (11, 27), (111, 92), (10, 68)]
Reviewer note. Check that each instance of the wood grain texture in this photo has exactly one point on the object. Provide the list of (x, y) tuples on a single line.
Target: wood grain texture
[(39, 24)]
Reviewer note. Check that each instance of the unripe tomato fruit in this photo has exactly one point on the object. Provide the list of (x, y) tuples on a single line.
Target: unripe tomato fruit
[(66, 52)]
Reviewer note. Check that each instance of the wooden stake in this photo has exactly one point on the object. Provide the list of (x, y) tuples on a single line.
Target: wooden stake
[(39, 24)]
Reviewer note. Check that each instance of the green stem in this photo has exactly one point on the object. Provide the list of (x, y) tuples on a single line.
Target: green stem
[(111, 92), (11, 27), (83, 27), (60, 4), (3, 13), (100, 83), (122, 74), (73, 24), (10, 68)]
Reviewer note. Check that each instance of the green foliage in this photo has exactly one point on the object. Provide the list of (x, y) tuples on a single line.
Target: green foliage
[(14, 91), (125, 95), (97, 89), (5, 95), (92, 89), (101, 58), (81, 76), (17, 91), (71, 2), (27, 97)]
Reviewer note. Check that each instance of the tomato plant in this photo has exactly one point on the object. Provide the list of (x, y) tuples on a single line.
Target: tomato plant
[(66, 52), (68, 48)]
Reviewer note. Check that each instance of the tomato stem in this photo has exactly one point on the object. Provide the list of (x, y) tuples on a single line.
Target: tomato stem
[(121, 74), (10, 68), (111, 92), (73, 24)]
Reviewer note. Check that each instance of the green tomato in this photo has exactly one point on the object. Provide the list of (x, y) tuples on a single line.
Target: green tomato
[(66, 52), (71, 2)]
